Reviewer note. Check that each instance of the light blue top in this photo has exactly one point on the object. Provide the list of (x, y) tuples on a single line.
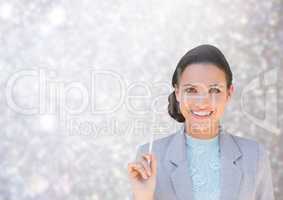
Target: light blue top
[(204, 167)]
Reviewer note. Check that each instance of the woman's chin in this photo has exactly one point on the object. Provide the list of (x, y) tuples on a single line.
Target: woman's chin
[(202, 128)]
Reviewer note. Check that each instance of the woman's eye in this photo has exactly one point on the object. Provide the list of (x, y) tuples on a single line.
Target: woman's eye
[(191, 90), (214, 90)]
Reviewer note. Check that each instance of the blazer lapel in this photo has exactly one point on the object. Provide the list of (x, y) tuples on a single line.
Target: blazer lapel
[(177, 158), (230, 171), (182, 181)]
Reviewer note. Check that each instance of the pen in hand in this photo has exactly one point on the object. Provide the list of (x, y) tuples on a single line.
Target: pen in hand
[(150, 147)]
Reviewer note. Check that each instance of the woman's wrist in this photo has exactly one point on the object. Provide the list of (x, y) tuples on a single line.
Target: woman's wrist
[(142, 197)]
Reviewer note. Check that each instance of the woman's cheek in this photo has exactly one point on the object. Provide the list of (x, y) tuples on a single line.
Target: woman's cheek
[(185, 108), (187, 105), (220, 110)]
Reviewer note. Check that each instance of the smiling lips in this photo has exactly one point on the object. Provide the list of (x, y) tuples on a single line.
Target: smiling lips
[(201, 114)]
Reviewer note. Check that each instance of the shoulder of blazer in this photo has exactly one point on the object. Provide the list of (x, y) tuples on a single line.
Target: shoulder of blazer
[(254, 154), (257, 153), (249, 146)]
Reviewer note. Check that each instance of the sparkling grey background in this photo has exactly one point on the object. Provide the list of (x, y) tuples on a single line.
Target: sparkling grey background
[(56, 154)]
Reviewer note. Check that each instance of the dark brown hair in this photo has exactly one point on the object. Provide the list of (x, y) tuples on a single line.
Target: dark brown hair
[(201, 54)]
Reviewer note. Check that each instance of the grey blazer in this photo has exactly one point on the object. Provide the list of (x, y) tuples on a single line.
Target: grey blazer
[(245, 168)]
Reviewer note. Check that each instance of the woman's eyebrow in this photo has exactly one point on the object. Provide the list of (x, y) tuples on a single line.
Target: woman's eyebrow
[(217, 85), (189, 84), (212, 85)]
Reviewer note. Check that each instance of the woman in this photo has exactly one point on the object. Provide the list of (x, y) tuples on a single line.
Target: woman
[(201, 161)]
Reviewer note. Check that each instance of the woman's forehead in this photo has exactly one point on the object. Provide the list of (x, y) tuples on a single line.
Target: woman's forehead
[(207, 74)]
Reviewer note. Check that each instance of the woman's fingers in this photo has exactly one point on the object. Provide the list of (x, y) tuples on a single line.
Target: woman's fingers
[(152, 162), (145, 168), (137, 169), (146, 164)]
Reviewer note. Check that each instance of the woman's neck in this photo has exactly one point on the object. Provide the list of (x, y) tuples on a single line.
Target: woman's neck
[(202, 133)]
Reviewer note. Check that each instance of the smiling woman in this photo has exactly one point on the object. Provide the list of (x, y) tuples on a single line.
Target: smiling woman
[(202, 103), (201, 161), (201, 90)]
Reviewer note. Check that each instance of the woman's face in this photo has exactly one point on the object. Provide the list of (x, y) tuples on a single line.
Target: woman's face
[(202, 94)]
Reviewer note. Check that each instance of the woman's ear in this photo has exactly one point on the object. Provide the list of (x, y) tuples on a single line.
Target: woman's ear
[(230, 92)]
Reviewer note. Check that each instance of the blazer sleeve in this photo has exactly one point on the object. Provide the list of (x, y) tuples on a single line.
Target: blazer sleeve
[(264, 186)]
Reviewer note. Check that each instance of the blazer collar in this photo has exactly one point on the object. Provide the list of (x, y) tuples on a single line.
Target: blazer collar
[(231, 173), (176, 151)]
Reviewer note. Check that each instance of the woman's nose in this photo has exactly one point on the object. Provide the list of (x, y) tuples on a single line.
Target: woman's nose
[(202, 100)]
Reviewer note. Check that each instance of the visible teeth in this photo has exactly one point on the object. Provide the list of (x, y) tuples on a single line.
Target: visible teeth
[(201, 113)]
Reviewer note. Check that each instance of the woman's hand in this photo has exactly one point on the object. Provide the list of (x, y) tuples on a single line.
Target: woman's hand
[(142, 175)]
